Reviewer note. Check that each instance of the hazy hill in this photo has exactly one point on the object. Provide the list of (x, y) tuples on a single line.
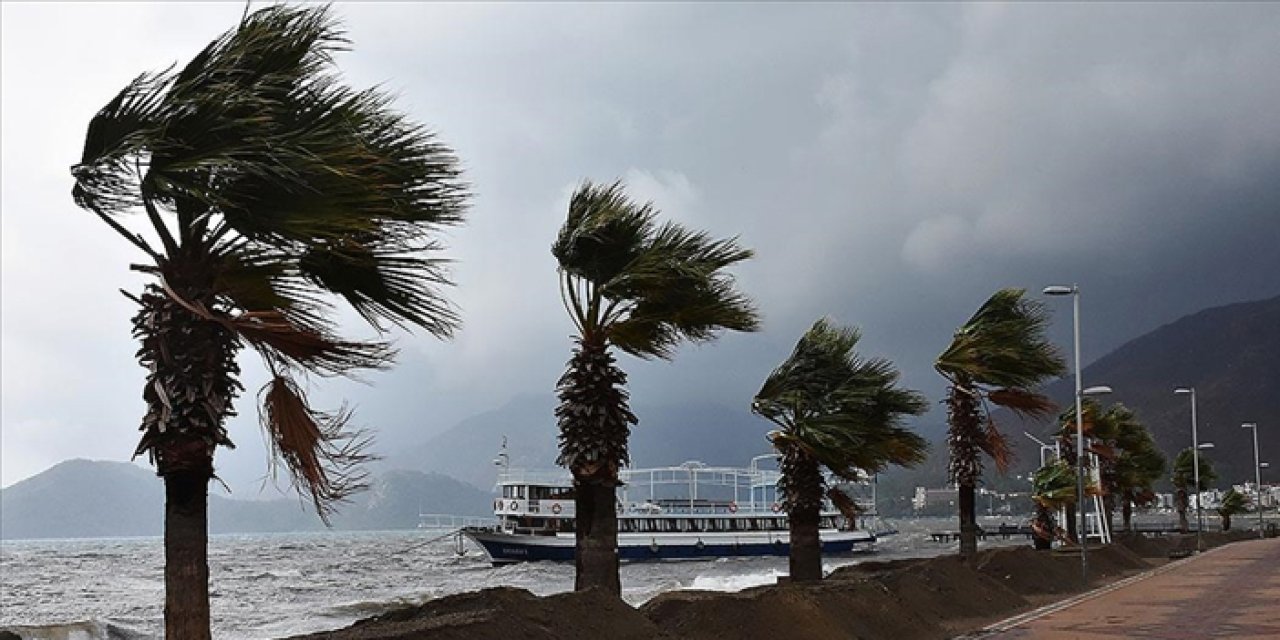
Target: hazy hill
[(84, 498), (1229, 354), (666, 435)]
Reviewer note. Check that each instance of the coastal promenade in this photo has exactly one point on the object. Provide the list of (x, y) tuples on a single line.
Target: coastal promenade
[(1228, 592)]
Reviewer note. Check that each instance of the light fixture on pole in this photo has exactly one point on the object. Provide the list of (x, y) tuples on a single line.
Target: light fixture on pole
[(1195, 461), (1257, 475), (1074, 292)]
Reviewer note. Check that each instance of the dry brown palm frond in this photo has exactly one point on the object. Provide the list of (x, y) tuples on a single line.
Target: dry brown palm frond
[(309, 348), (1026, 404), (996, 445), (322, 457)]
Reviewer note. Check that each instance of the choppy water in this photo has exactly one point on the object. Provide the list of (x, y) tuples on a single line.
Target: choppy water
[(274, 585)]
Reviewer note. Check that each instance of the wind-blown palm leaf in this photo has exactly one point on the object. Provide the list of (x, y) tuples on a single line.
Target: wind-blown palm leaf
[(839, 409), (1003, 345)]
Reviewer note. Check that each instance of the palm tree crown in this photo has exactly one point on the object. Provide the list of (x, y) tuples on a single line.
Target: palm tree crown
[(844, 411), (270, 188), (1000, 355)]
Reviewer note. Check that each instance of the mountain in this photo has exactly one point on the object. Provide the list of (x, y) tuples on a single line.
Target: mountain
[(667, 435), (1228, 354), (90, 499)]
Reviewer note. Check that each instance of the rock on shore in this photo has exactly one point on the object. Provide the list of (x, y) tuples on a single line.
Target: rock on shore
[(924, 598)]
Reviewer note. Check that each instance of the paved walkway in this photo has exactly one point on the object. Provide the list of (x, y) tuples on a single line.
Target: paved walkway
[(1229, 592)]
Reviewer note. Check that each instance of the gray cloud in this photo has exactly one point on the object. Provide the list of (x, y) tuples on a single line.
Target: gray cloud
[(891, 164)]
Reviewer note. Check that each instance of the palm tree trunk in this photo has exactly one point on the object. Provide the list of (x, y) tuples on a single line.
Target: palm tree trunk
[(802, 482), (596, 554), (1071, 523), (595, 422), (1042, 533), (189, 391), (186, 565), (1226, 522), (965, 465), (1181, 500), (968, 520), (1126, 512)]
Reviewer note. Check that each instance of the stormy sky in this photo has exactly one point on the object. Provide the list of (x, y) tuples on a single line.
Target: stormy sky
[(891, 165)]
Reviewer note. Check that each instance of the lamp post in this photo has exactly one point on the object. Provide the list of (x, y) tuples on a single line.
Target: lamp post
[(1257, 475), (1074, 292), (1195, 460)]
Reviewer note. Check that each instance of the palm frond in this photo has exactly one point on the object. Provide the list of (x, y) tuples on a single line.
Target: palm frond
[(1003, 345), (1026, 404), (321, 455)]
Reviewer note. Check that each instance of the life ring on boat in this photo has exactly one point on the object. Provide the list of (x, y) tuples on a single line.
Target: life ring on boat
[(555, 508), (514, 505), (653, 545), (733, 507), (776, 508), (700, 545)]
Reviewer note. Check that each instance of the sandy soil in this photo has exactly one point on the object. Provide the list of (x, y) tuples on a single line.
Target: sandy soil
[(904, 599)]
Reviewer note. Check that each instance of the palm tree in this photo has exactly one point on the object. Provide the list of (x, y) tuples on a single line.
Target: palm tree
[(1000, 356), (1129, 462), (267, 187), (1184, 467), (630, 283), (1233, 502), (1137, 467), (1052, 487), (834, 410), (1095, 430)]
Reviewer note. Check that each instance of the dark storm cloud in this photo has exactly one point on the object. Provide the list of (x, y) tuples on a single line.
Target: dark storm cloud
[(891, 164)]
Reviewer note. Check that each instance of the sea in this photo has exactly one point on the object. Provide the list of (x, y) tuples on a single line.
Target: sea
[(277, 585)]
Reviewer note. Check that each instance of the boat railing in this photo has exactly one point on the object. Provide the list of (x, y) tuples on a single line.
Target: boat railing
[(446, 521)]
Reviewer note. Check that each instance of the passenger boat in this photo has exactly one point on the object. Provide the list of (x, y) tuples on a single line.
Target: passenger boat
[(683, 512)]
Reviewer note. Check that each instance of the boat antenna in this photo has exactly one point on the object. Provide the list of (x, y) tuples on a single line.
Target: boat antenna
[(503, 460)]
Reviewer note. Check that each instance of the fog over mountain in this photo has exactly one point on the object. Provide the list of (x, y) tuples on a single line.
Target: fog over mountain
[(891, 164)]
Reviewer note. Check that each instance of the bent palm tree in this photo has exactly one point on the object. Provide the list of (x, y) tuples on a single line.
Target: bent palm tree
[(1233, 502), (1138, 465), (268, 187), (999, 356), (834, 410), (1184, 479), (1053, 487), (629, 283)]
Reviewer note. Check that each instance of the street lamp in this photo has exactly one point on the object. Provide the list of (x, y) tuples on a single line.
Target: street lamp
[(1257, 474), (1074, 292), (1195, 460)]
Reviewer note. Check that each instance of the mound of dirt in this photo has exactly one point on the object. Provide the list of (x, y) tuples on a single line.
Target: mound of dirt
[(505, 613), (900, 599), (1027, 571), (1146, 546), (917, 599)]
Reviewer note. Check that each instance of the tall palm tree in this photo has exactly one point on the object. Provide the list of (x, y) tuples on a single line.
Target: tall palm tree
[(837, 411), (643, 287), (1000, 356), (268, 188), (1184, 480)]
